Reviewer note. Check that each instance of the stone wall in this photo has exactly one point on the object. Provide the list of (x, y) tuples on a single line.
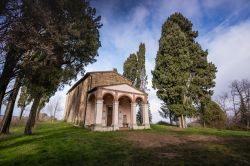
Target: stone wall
[(76, 103)]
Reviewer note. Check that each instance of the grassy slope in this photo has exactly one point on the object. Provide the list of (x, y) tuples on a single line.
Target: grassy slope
[(64, 144)]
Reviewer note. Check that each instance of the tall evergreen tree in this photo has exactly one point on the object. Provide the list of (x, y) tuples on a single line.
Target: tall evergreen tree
[(182, 75), (130, 69), (134, 69), (141, 70), (202, 79)]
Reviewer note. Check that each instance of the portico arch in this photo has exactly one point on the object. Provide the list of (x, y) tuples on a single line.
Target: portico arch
[(124, 112), (107, 116)]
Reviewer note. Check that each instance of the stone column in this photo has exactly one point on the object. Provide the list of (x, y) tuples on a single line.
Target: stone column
[(98, 114), (133, 113), (145, 116), (116, 115)]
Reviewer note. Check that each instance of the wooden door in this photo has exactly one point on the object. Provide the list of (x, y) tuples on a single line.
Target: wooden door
[(109, 116)]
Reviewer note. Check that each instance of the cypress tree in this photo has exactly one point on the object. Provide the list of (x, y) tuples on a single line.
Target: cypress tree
[(130, 69), (134, 69), (182, 76)]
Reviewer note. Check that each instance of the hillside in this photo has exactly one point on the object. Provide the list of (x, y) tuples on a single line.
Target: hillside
[(63, 144)]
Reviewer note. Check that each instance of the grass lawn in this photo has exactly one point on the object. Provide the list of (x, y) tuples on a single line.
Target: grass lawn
[(63, 144)]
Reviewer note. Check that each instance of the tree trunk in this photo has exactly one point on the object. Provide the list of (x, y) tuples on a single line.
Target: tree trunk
[(10, 107), (38, 113), (32, 116), (170, 118), (4, 81), (21, 113), (204, 124), (184, 122), (8, 71), (180, 122)]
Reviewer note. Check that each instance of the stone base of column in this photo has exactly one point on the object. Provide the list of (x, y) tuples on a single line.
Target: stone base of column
[(116, 127), (98, 127), (134, 126), (147, 126)]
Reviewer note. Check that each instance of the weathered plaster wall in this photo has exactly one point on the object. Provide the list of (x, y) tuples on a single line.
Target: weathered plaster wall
[(76, 103)]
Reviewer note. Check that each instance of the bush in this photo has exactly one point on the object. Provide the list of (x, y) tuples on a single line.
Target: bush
[(214, 116), (164, 123)]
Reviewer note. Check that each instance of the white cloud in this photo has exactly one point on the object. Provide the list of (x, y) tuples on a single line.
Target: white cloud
[(229, 49)]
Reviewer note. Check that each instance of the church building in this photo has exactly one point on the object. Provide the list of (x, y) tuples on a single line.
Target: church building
[(106, 101)]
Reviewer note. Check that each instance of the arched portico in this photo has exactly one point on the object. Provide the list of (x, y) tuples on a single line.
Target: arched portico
[(116, 109), (107, 114)]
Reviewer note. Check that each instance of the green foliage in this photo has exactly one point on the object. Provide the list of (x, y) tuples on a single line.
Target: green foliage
[(166, 113), (213, 115), (24, 98), (130, 68), (72, 39), (42, 103), (134, 68), (182, 76), (171, 75), (139, 116)]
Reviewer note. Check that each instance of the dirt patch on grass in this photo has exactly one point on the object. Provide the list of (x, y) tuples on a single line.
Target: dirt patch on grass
[(148, 140), (153, 140)]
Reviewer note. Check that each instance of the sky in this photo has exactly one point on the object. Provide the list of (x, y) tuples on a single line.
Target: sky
[(223, 26)]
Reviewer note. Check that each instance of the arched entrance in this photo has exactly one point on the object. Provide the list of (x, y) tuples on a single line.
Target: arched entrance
[(108, 109), (124, 111)]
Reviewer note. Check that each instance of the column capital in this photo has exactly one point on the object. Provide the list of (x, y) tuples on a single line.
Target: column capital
[(133, 104), (99, 101), (116, 102)]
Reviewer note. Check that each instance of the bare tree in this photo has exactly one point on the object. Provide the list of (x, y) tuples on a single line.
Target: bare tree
[(54, 108), (240, 93), (223, 102)]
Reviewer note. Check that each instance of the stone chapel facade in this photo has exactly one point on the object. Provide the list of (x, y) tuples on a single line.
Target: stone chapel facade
[(106, 101)]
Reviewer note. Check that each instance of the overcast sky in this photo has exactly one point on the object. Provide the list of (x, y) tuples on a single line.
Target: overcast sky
[(223, 25)]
